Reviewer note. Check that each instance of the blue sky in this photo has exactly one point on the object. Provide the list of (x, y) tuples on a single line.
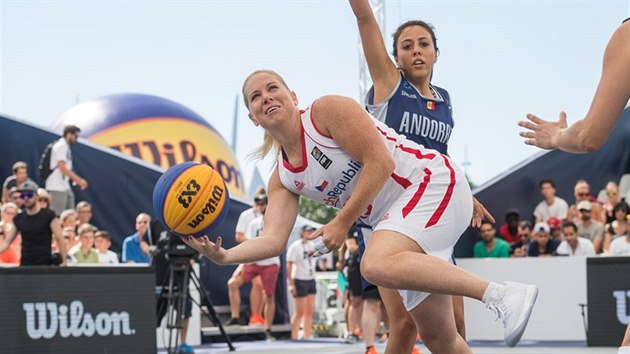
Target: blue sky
[(499, 60)]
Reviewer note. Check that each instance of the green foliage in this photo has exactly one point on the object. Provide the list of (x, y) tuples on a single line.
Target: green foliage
[(315, 211)]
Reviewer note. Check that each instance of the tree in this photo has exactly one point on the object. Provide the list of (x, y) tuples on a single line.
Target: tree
[(315, 211)]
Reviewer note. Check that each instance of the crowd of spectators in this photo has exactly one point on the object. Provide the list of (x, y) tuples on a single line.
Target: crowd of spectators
[(588, 227)]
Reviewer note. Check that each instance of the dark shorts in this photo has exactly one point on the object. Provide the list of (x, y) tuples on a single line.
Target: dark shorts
[(268, 274), (354, 283), (371, 293), (162, 306), (304, 287)]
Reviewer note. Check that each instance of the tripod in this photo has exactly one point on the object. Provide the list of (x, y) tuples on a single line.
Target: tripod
[(179, 274)]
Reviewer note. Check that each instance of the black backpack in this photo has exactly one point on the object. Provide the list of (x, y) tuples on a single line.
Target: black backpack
[(44, 163)]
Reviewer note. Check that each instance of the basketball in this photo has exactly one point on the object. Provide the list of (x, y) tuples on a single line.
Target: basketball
[(191, 199)]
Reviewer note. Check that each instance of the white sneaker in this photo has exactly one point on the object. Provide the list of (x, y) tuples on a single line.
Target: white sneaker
[(513, 304)]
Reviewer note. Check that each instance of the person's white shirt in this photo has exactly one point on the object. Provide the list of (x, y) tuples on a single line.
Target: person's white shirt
[(109, 257), (559, 209), (245, 219), (57, 181), (303, 264), (619, 247), (254, 229), (584, 248)]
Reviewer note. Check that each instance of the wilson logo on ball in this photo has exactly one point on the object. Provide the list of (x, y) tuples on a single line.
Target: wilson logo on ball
[(191, 199)]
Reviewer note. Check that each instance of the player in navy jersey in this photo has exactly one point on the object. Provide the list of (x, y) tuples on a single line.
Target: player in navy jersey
[(591, 132), (403, 97), (416, 199)]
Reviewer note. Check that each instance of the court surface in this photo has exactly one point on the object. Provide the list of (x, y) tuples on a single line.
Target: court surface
[(337, 346)]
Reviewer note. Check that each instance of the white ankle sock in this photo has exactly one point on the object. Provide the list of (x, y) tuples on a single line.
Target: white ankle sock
[(624, 350), (492, 292)]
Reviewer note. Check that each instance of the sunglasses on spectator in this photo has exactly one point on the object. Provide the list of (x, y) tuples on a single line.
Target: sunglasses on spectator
[(141, 222), (611, 193), (44, 200), (27, 195), (583, 194)]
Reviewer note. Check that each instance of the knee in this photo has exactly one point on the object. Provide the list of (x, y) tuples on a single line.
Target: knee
[(372, 271), (404, 326)]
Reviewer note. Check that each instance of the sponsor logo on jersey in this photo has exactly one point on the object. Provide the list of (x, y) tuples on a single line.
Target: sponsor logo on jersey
[(341, 186), (298, 185), (321, 157), (321, 185), (430, 105), (410, 95)]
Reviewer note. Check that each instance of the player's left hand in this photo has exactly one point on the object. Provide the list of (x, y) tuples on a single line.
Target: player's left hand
[(543, 134), (207, 248), (480, 213), (329, 237)]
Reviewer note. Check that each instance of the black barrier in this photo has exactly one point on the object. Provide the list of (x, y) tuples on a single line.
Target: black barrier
[(77, 310), (608, 282)]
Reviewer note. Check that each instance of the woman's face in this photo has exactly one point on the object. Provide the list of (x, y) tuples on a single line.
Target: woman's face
[(268, 100), (416, 53)]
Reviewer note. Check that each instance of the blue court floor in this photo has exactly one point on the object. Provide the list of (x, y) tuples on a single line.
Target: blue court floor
[(337, 346)]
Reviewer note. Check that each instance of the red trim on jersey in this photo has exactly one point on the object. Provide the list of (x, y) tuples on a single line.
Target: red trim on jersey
[(304, 165), (315, 125), (405, 183), (406, 149), (416, 197), (447, 197)]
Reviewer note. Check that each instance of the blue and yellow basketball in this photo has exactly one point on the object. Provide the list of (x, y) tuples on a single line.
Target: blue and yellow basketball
[(191, 199)]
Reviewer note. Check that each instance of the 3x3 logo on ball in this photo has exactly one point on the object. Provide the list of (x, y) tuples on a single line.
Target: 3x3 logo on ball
[(186, 196)]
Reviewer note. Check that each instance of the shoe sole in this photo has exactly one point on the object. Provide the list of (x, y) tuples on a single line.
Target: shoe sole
[(530, 299)]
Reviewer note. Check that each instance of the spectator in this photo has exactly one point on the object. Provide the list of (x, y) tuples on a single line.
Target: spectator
[(301, 278), (617, 227), (544, 244), (102, 243), (621, 245), (582, 192), (490, 246), (14, 197), (256, 292), (69, 235), (551, 206), (268, 270), (84, 252), (37, 227), (136, 246), (555, 227), (589, 228), (57, 183), (8, 211), (43, 198), (519, 249), (348, 262), (509, 231), (84, 213), (68, 218), (612, 198), (573, 245), (19, 176)]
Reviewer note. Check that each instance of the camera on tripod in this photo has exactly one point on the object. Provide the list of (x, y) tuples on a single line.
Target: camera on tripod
[(176, 250)]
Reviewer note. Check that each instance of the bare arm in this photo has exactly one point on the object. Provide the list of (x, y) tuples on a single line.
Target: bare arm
[(55, 227), (73, 176), (240, 237), (10, 231), (613, 92), (351, 128), (382, 70), (283, 206)]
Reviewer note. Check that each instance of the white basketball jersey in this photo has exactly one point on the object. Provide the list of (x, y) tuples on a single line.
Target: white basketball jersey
[(329, 175)]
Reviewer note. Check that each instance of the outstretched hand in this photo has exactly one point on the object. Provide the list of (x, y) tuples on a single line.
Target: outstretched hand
[(207, 248), (479, 214), (543, 134)]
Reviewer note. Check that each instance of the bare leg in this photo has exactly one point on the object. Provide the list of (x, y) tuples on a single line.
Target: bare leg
[(300, 303), (402, 329), (354, 313), (256, 296), (458, 309), (435, 320), (270, 310), (308, 315), (369, 320), (395, 261), (184, 331), (234, 294)]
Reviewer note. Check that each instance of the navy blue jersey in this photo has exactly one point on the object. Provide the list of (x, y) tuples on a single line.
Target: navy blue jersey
[(426, 121)]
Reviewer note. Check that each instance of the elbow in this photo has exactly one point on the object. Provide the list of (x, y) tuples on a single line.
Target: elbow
[(590, 143), (389, 165)]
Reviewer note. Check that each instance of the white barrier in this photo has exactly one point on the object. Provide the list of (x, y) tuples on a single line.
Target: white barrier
[(557, 314)]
